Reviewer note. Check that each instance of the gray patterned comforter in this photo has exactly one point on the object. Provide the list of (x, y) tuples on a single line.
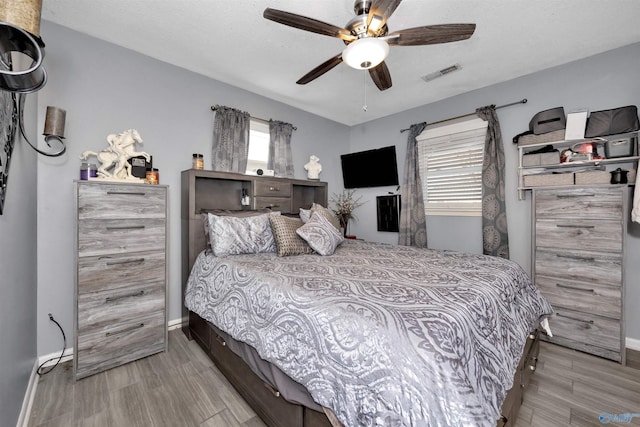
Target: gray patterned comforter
[(382, 335)]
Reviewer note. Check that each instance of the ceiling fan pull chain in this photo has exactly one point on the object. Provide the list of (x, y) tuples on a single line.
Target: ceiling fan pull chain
[(364, 81)]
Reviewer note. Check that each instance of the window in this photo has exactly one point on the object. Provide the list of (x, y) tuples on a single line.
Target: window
[(259, 136), (450, 160)]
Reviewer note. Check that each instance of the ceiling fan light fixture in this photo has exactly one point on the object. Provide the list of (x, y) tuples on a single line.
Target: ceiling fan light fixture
[(365, 53)]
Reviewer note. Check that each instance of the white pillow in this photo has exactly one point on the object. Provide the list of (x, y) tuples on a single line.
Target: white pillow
[(305, 214), (231, 235), (320, 234)]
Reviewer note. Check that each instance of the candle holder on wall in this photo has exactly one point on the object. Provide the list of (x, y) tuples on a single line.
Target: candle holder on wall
[(21, 72)]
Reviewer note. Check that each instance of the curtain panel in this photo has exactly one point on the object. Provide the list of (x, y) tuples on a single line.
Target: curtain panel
[(230, 140), (280, 158), (413, 226), (495, 235)]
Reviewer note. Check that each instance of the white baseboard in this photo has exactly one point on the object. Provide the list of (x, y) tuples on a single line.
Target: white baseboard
[(29, 395), (52, 358), (632, 343), (174, 324)]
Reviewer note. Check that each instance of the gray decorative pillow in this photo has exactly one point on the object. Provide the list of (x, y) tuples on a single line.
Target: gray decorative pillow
[(305, 214), (226, 212), (287, 241), (327, 214), (320, 234), (230, 235)]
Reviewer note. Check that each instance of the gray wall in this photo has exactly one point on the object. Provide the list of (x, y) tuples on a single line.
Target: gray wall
[(107, 89), (17, 269), (600, 82)]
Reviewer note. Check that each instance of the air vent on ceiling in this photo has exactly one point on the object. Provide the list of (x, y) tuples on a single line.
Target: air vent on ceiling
[(440, 73)]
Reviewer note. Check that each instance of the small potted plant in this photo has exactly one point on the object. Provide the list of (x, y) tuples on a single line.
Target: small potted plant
[(344, 205)]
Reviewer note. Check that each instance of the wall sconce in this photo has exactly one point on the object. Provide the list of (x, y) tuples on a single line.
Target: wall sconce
[(53, 129), (20, 43)]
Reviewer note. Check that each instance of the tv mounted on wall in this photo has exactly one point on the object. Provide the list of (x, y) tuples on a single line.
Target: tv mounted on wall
[(371, 168)]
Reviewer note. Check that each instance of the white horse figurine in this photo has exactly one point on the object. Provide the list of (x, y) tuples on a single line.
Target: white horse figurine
[(121, 149)]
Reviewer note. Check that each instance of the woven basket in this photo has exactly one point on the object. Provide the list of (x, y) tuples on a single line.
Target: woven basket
[(548, 179), (593, 177), (554, 136)]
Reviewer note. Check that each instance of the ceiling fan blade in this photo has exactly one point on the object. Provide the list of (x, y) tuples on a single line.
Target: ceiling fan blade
[(307, 24), (431, 34), (381, 76), (320, 69), (379, 12)]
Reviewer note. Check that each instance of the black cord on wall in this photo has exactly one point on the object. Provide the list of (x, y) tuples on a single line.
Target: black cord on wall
[(64, 339)]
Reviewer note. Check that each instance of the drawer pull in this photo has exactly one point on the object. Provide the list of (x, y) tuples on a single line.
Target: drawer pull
[(574, 288), (274, 188), (129, 329), (574, 318), (274, 206), (583, 258), (566, 196), (125, 227), (135, 294), (124, 193), (273, 391), (221, 341), (502, 421), (125, 261), (574, 226)]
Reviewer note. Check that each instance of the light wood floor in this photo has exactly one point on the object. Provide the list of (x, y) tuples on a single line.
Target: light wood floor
[(182, 388)]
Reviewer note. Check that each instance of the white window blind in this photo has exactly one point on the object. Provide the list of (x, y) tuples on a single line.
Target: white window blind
[(450, 160)]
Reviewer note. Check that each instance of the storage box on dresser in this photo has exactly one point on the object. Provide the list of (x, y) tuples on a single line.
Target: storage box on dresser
[(121, 276), (579, 235)]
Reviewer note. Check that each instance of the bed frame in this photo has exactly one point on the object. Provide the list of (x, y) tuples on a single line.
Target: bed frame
[(202, 190)]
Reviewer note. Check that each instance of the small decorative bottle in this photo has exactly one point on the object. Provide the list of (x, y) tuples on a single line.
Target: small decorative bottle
[(198, 161)]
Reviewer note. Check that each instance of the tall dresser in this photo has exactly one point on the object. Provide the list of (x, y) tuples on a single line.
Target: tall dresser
[(578, 261), (121, 275)]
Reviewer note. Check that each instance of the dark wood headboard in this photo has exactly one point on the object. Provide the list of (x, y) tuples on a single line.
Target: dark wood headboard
[(206, 190)]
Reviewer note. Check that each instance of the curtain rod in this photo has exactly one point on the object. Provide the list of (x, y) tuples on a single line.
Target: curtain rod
[(522, 101), (214, 108)]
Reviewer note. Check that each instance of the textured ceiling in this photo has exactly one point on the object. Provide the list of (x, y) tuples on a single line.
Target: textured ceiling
[(230, 41)]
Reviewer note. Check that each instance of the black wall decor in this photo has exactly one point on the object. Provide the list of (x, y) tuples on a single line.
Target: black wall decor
[(8, 125), (388, 212)]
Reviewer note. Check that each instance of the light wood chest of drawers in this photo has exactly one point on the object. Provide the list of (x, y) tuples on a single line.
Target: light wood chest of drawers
[(578, 261), (121, 275)]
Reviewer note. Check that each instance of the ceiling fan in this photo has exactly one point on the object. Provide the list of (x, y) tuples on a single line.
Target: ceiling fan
[(367, 37)]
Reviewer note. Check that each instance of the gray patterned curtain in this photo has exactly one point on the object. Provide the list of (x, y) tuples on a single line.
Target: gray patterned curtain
[(495, 235), (413, 226), (280, 159), (230, 140)]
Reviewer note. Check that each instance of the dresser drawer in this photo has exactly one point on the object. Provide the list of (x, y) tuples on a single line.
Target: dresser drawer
[(587, 234), (101, 237), (584, 297), (578, 203), (98, 273), (267, 402), (585, 329), (119, 343), (581, 266), (99, 200), (99, 310), (282, 204), (272, 188)]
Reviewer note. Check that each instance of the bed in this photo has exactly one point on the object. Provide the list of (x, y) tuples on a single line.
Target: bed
[(373, 334)]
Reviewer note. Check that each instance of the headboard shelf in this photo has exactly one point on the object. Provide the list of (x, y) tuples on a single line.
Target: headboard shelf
[(206, 190)]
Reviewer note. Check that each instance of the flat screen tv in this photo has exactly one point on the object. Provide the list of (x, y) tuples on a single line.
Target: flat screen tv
[(371, 168)]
